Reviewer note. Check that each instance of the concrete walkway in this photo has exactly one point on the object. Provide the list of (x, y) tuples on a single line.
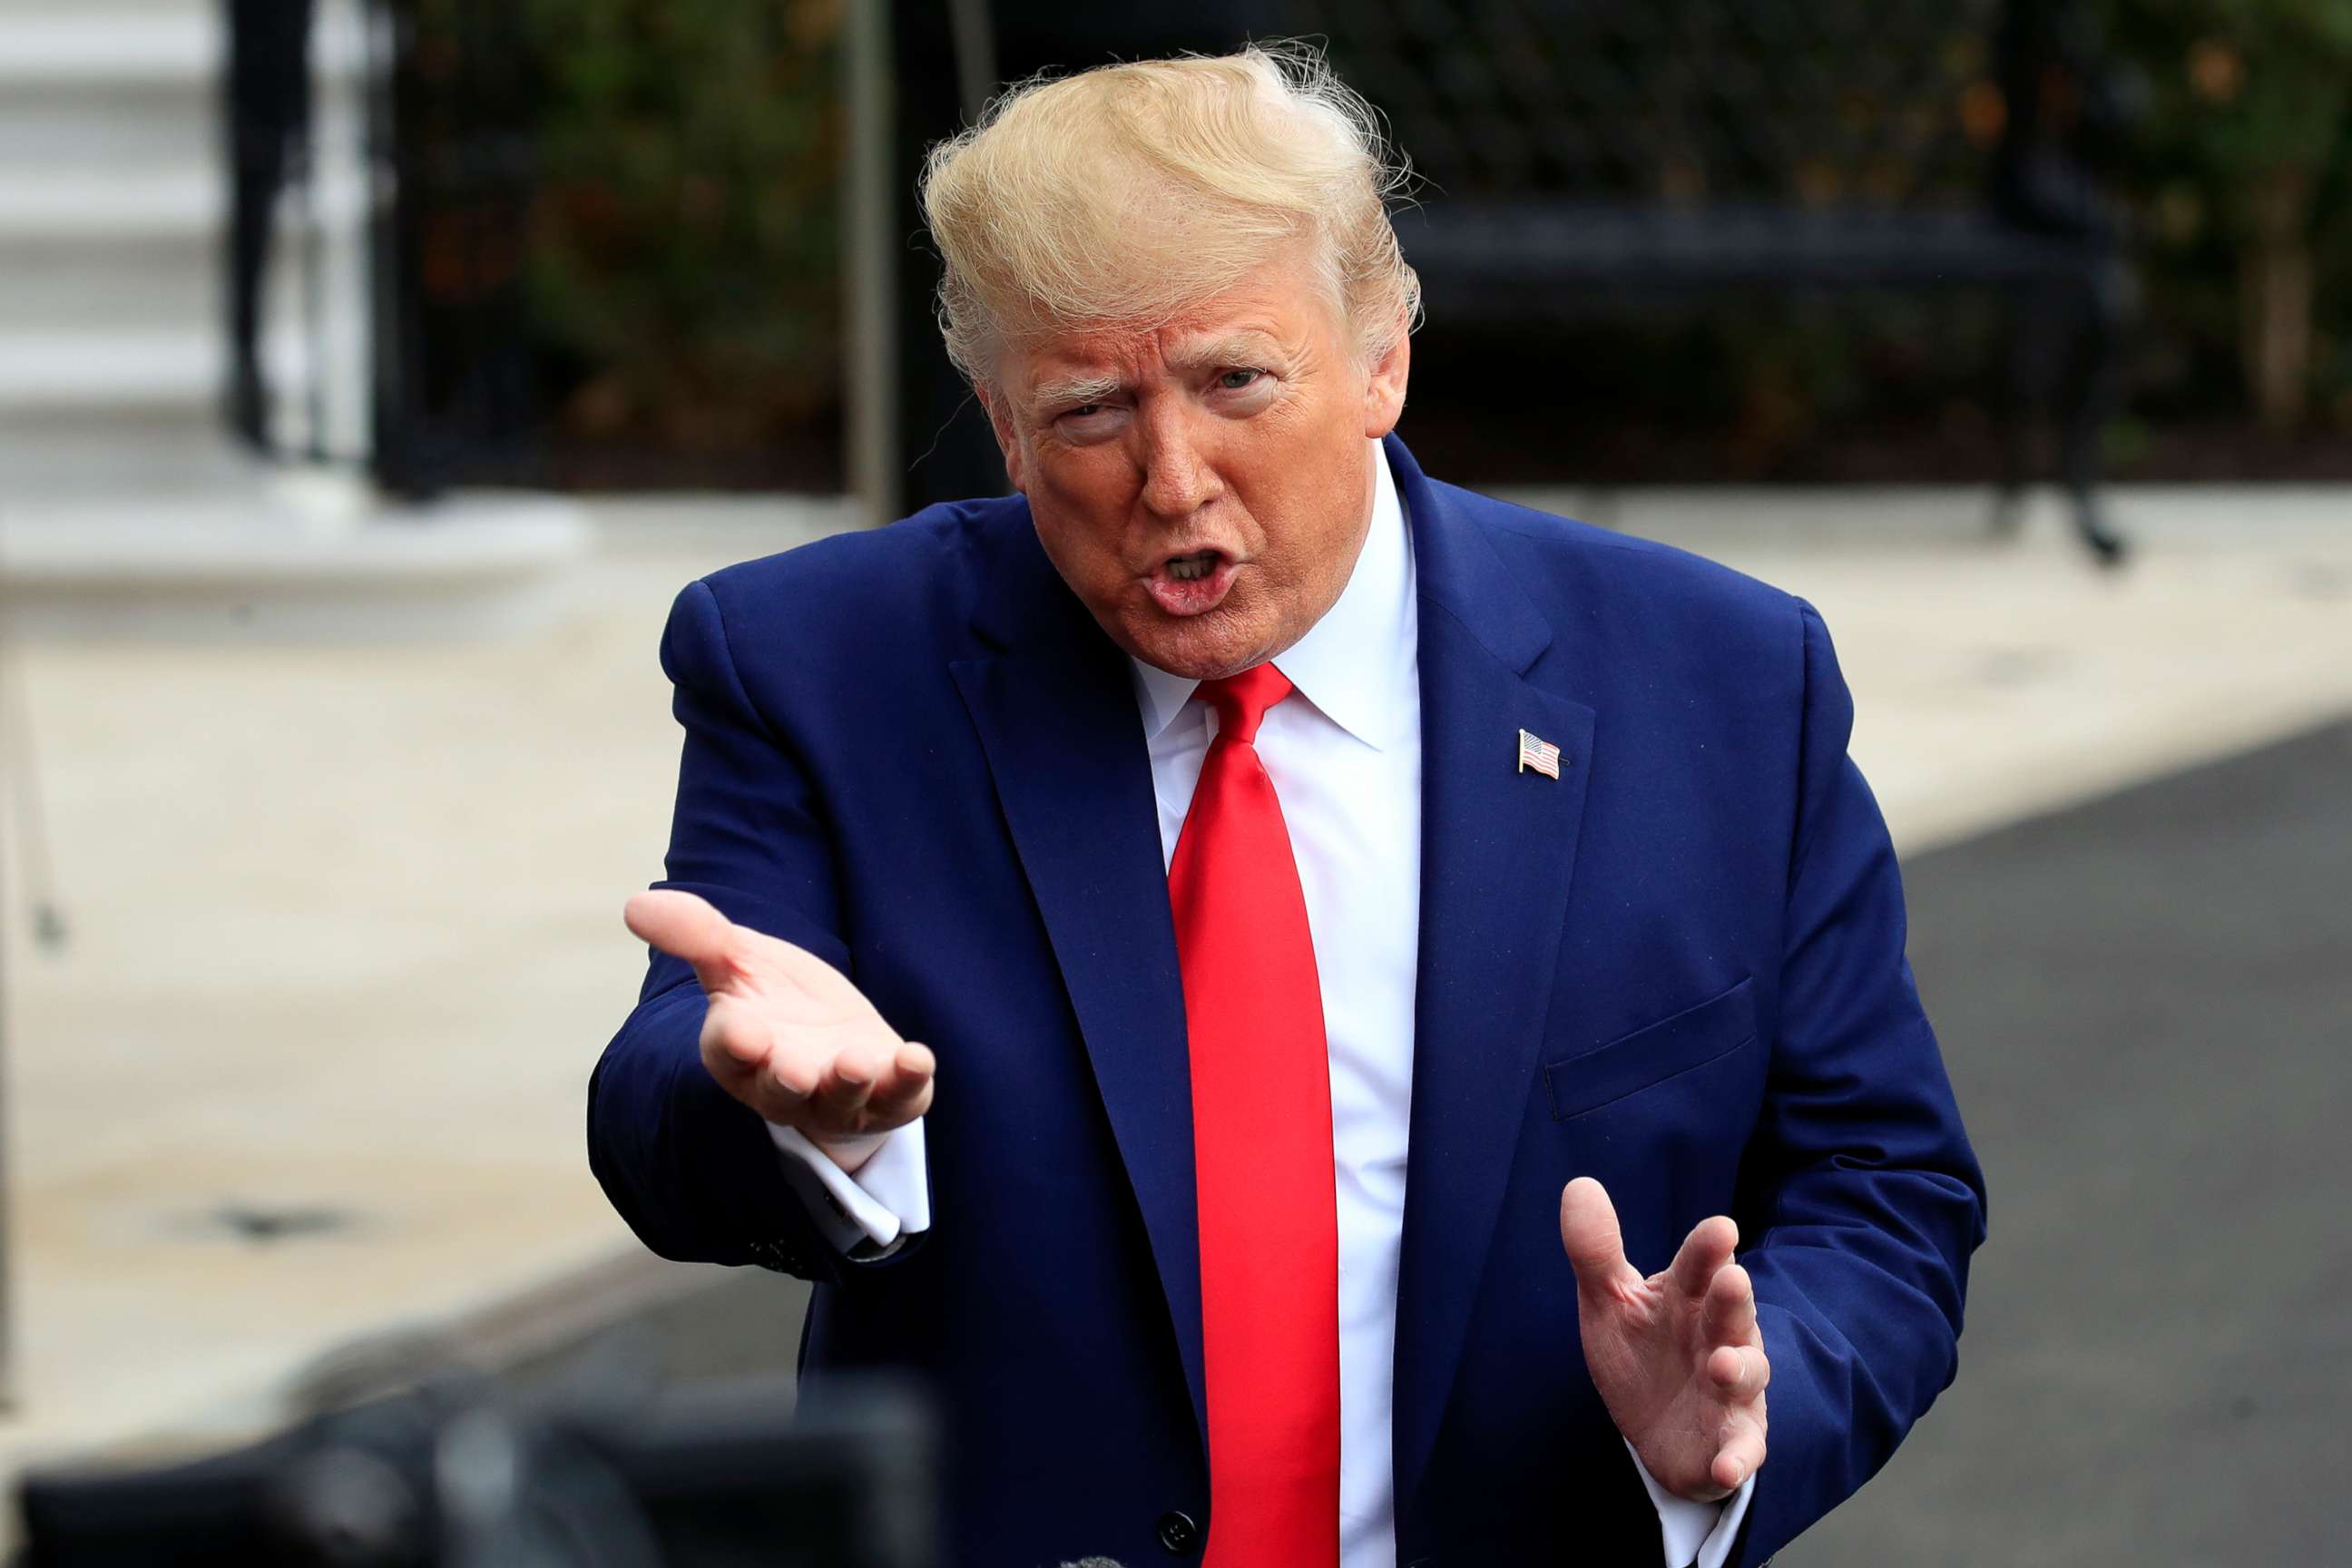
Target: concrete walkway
[(344, 940)]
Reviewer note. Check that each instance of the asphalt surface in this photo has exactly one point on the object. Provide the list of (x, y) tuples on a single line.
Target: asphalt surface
[(2145, 1004)]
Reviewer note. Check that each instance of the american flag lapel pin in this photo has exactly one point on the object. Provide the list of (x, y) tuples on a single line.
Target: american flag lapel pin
[(1539, 755)]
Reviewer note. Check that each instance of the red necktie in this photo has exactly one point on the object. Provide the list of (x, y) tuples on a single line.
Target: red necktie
[(1262, 1151)]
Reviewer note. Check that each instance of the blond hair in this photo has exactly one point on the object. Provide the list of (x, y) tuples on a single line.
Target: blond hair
[(1126, 194)]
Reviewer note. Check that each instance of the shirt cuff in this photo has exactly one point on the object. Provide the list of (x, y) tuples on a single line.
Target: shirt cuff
[(869, 1215), (1695, 1533)]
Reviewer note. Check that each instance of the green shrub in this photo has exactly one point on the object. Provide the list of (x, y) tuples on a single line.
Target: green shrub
[(2241, 175), (683, 264)]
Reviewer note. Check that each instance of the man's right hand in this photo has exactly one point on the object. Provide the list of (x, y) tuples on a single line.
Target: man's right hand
[(787, 1033)]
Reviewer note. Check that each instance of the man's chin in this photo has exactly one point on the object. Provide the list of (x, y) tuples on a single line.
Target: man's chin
[(1207, 646)]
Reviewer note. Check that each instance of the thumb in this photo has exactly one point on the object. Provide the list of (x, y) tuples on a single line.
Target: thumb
[(686, 926), (1588, 1229)]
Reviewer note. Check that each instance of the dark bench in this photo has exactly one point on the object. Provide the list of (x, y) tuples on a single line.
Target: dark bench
[(1587, 157)]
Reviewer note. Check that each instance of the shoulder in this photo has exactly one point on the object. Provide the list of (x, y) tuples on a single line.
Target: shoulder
[(843, 618), (1637, 591), (856, 576), (867, 594), (1697, 667)]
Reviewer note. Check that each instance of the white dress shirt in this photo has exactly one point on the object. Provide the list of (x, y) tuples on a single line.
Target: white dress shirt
[(1344, 752)]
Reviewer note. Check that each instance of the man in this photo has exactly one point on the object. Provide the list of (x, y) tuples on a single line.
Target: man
[(1347, 918)]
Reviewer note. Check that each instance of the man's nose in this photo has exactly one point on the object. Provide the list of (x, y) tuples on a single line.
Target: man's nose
[(1179, 479)]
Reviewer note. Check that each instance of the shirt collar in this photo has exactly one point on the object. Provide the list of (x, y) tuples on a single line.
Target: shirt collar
[(1357, 665)]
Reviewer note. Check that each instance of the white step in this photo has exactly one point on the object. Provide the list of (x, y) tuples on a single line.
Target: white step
[(52, 456), (138, 7), (91, 412), (130, 204), (54, 124), (132, 88), (117, 45), (85, 205), (292, 554), (69, 44), (61, 371), (151, 285), (98, 371), (138, 251)]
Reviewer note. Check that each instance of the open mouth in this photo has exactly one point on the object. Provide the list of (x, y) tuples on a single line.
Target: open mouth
[(1192, 582)]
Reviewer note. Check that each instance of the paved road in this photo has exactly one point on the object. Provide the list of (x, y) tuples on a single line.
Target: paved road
[(2146, 1006)]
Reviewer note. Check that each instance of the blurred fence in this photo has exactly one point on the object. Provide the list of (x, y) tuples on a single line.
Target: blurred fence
[(618, 260), (607, 255), (1611, 159)]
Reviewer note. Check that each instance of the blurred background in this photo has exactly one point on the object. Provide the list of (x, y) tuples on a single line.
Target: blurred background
[(373, 372)]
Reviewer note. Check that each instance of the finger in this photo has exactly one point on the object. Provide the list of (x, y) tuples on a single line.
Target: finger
[(1741, 1454), (1703, 1252), (1739, 1372), (904, 1090), (735, 1040), (684, 926), (739, 1050), (845, 1087), (1588, 1229), (792, 1078), (1729, 1315)]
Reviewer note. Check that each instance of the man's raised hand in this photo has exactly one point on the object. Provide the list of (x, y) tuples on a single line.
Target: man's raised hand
[(1677, 1357), (787, 1033)]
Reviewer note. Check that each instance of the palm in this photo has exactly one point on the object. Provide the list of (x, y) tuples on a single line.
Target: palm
[(1677, 1357), (809, 1006), (786, 1033)]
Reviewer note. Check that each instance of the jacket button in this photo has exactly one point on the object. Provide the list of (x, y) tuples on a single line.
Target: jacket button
[(1178, 1533)]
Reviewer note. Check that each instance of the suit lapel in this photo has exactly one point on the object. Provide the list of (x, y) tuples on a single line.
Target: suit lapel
[(1498, 847), (1056, 714)]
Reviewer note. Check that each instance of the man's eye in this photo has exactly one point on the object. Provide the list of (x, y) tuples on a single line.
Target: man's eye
[(1235, 380), (1082, 410)]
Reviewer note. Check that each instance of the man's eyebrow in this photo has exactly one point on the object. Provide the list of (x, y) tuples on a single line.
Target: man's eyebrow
[(1244, 348), (1233, 349), (1056, 391)]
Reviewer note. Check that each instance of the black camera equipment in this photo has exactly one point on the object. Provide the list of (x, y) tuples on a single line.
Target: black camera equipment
[(454, 1475)]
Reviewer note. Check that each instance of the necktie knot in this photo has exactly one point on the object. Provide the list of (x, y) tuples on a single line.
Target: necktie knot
[(1241, 700)]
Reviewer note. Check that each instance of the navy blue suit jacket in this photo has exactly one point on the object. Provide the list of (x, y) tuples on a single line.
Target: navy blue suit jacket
[(1679, 969)]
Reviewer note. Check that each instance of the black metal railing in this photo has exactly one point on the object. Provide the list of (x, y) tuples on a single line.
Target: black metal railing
[(452, 166), (1589, 160)]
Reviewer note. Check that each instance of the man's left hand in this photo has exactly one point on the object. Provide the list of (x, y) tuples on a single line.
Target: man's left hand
[(1677, 1357)]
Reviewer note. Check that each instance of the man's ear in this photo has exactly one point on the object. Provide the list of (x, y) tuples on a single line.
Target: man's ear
[(1008, 439), (1384, 393)]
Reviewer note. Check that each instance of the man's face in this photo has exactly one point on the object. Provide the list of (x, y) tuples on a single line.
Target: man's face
[(1204, 487)]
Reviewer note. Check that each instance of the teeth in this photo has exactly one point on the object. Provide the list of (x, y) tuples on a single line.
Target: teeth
[(1192, 568)]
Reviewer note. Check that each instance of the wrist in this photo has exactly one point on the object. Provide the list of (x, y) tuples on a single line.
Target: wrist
[(849, 1150)]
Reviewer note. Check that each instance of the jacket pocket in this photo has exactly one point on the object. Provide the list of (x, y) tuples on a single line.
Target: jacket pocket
[(1632, 1063)]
